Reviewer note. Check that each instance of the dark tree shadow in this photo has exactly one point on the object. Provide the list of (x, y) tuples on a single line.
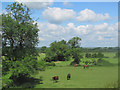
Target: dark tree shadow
[(27, 82)]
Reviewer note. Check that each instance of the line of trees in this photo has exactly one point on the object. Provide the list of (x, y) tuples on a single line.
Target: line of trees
[(101, 49), (95, 55), (63, 50)]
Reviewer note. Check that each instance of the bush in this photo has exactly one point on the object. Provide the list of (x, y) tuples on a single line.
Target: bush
[(99, 60), (14, 69), (6, 81), (94, 62), (41, 66), (100, 55), (50, 64), (86, 62)]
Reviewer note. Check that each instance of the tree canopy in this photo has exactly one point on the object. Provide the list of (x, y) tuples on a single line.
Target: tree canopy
[(74, 42), (19, 31), (19, 38)]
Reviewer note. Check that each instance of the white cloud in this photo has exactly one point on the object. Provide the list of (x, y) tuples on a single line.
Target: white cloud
[(83, 29), (101, 26), (39, 4), (90, 16), (109, 30), (100, 38), (58, 15), (41, 39), (89, 33)]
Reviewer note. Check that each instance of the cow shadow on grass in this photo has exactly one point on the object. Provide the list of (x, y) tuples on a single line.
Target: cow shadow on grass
[(27, 82), (55, 81)]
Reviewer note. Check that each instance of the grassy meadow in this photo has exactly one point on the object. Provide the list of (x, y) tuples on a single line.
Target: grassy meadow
[(93, 77)]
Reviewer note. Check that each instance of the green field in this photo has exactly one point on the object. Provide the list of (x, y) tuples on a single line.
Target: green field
[(93, 77)]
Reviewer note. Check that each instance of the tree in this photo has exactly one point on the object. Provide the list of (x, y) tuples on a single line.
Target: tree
[(100, 55), (94, 55), (89, 55), (19, 38), (74, 42), (43, 49), (86, 55), (56, 51), (76, 54), (18, 31)]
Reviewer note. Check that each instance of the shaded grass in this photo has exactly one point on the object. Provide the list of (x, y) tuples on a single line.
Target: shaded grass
[(27, 83)]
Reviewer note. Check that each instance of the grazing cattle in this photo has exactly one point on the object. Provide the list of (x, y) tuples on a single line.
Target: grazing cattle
[(75, 65), (85, 66), (68, 76), (55, 78)]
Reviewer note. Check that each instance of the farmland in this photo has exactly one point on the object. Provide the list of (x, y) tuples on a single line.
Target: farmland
[(61, 52), (93, 77)]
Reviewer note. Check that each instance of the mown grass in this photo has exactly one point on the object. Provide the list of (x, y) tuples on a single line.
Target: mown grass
[(93, 77), (113, 84)]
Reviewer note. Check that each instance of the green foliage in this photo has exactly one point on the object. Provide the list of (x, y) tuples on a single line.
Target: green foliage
[(50, 64), (88, 55), (18, 31), (56, 51), (86, 62), (6, 81), (100, 55), (95, 55), (62, 51), (117, 55), (25, 66), (19, 38), (74, 42), (76, 54), (101, 49), (41, 65), (6, 63), (99, 60), (43, 49)]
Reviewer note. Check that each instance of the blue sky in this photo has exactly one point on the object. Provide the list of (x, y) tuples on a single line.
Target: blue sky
[(94, 22)]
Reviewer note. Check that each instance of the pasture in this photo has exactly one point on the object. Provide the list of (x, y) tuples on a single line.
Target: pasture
[(93, 77)]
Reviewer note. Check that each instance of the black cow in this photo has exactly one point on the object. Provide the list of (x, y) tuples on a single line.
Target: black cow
[(68, 76), (55, 78)]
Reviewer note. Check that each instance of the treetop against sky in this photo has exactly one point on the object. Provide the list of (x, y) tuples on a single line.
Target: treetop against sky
[(96, 23)]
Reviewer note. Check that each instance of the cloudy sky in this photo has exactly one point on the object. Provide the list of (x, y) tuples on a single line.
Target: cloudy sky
[(96, 23)]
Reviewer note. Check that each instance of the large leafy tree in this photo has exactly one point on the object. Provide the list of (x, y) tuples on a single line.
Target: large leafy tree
[(57, 51), (19, 38), (75, 51), (19, 30), (76, 54), (74, 42)]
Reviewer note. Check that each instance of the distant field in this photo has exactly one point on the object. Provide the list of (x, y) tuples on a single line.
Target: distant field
[(94, 77)]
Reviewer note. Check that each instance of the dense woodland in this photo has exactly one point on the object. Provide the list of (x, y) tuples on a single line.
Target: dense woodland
[(19, 52)]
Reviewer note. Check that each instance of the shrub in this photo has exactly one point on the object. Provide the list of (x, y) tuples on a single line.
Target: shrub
[(50, 64), (41, 66), (99, 60), (86, 62), (6, 81)]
